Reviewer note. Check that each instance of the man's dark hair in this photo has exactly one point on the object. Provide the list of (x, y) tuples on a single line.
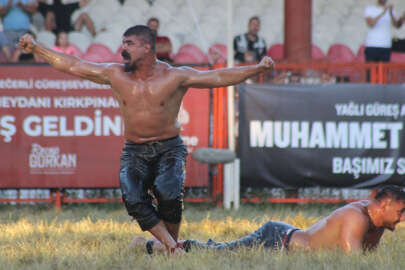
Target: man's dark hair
[(391, 191), (144, 33), (153, 19), (254, 18)]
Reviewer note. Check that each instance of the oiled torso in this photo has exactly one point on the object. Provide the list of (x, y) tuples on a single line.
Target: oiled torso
[(149, 106), (327, 232)]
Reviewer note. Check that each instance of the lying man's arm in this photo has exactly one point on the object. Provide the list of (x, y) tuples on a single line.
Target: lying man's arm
[(353, 230), (95, 72), (224, 76)]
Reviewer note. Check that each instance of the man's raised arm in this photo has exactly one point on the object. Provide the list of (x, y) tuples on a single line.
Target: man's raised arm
[(66, 63), (224, 76)]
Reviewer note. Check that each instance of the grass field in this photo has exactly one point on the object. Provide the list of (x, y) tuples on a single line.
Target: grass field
[(95, 237)]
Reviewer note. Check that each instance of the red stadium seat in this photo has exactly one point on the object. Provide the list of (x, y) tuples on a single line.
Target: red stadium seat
[(95, 57), (98, 53), (276, 51), (117, 57), (192, 50), (340, 53), (187, 58), (397, 57), (361, 57), (217, 53), (76, 51), (317, 53), (99, 48)]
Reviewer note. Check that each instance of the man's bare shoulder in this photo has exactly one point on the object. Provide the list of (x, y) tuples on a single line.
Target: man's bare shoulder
[(114, 66), (354, 212), (178, 72), (114, 69), (181, 70)]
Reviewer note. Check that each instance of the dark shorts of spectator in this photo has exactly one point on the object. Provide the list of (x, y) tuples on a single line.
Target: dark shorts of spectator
[(377, 54), (153, 172)]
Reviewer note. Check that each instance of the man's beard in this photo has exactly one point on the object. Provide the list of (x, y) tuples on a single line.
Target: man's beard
[(392, 226), (128, 67)]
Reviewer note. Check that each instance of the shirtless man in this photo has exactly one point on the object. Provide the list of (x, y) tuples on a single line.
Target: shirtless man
[(354, 227), (150, 93)]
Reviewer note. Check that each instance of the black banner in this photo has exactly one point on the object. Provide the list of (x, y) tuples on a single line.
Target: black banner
[(341, 135)]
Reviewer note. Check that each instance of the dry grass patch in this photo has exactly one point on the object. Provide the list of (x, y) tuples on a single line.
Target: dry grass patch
[(95, 237)]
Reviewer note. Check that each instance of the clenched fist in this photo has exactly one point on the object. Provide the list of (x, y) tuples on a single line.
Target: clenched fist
[(267, 63), (27, 43)]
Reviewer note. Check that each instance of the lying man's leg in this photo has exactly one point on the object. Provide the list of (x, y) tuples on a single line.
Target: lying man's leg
[(272, 235)]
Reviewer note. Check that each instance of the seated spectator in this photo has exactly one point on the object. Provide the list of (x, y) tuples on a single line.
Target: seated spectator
[(20, 56), (250, 42), (4, 44), (163, 43), (62, 45), (249, 57), (16, 18), (58, 13)]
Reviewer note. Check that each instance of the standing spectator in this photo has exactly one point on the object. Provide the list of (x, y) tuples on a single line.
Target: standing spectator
[(379, 40), (58, 13), (250, 43), (163, 43), (16, 18), (62, 45)]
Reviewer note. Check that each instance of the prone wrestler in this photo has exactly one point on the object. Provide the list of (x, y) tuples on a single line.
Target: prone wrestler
[(357, 226)]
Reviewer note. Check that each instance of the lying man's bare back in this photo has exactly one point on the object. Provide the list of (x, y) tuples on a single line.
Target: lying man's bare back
[(150, 94), (349, 227), (353, 227)]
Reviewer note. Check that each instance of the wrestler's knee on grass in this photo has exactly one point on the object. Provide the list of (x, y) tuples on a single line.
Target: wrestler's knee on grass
[(144, 214), (170, 202)]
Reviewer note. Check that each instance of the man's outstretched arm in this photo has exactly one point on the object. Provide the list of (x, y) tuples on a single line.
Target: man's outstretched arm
[(66, 63), (223, 77)]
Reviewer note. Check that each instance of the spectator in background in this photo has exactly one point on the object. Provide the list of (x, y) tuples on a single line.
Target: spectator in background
[(4, 44), (163, 43), (250, 43), (379, 40), (62, 45), (58, 13), (16, 18), (20, 56)]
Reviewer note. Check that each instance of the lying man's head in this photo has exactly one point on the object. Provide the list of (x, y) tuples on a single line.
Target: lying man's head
[(391, 207)]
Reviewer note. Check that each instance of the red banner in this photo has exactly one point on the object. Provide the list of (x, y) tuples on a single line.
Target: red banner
[(60, 131)]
